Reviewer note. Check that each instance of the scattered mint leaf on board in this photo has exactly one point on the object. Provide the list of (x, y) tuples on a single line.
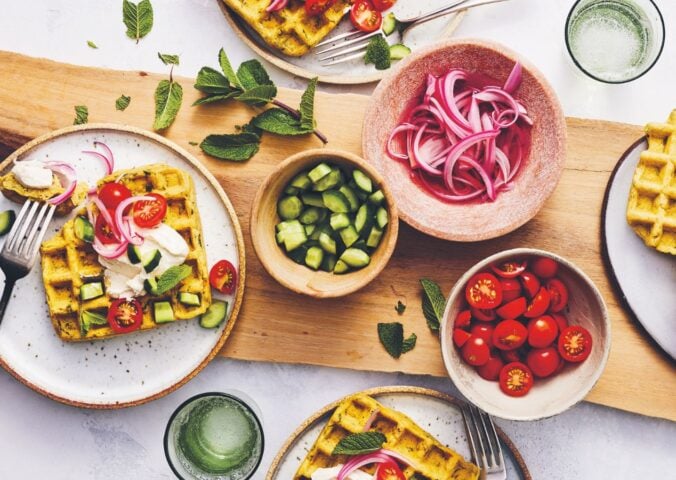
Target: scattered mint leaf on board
[(227, 69), (280, 122), (409, 343), (359, 443), (307, 106), (211, 81), (168, 59), (81, 115), (236, 147), (138, 18), (92, 44), (194, 144), (392, 337), (172, 277), (168, 99), (400, 308), (378, 53), (433, 303), (122, 103)]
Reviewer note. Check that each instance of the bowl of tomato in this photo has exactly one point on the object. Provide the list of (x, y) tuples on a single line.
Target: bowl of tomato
[(525, 334)]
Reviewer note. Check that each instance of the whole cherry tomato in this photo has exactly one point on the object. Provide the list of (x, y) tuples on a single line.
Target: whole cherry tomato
[(543, 362), (485, 331), (542, 331), (544, 267), (539, 304), (513, 309), (516, 379), (475, 351), (575, 344), (511, 289), (491, 369), (111, 194), (509, 335), (483, 291), (558, 293), (531, 283)]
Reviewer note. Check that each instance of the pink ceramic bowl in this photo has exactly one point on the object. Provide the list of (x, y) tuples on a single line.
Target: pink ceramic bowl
[(534, 183)]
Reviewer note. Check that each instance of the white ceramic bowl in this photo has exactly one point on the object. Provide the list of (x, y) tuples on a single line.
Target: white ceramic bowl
[(549, 396)]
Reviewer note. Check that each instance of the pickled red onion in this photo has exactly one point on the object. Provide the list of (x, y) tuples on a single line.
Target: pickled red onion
[(126, 227), (276, 5), (379, 456), (66, 174)]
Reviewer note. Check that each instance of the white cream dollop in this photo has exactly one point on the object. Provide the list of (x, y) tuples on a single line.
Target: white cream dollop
[(332, 474), (33, 174)]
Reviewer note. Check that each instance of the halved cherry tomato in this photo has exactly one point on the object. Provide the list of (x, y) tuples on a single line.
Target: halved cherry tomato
[(483, 291), (223, 277), (561, 321), (542, 331), (111, 194), (460, 337), (511, 289), (365, 17), (149, 213), (543, 361), (389, 471), (544, 267), (485, 331), (463, 319), (485, 315), (513, 309), (107, 234), (509, 335), (317, 7), (558, 293), (382, 5), (575, 344), (475, 351), (124, 315), (516, 379), (508, 269), (491, 369), (530, 283), (539, 304)]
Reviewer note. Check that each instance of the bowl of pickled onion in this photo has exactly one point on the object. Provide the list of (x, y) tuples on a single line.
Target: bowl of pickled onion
[(470, 137)]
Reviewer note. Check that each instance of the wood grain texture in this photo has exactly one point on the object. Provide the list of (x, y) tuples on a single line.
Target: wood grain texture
[(37, 96)]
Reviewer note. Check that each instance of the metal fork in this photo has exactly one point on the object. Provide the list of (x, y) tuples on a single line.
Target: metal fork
[(21, 245), (484, 443), (342, 47)]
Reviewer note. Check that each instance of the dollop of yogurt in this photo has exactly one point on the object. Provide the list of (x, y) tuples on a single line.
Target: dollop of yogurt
[(332, 474), (124, 279), (33, 174)]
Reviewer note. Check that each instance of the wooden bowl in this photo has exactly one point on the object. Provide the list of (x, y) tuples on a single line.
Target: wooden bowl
[(300, 278), (549, 396), (534, 183)]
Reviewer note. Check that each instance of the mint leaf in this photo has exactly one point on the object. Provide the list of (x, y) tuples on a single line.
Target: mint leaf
[(122, 103), (138, 18), (279, 121), (92, 44), (392, 337), (433, 303), (378, 53), (172, 277), (168, 59), (409, 343), (214, 98), (259, 95), (211, 81), (168, 99), (252, 74), (307, 106), (194, 144), (81, 115), (236, 147), (360, 443), (227, 69), (400, 308)]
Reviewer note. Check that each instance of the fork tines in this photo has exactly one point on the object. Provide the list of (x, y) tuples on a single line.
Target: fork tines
[(342, 45), (483, 440), (28, 230)]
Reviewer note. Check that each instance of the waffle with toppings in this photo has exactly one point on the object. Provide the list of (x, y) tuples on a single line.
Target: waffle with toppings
[(16, 192), (289, 30), (431, 459), (68, 262), (651, 210)]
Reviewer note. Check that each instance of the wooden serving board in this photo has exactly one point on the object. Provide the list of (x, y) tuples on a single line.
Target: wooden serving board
[(275, 325)]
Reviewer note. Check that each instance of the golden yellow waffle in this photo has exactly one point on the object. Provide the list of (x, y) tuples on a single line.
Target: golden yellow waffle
[(68, 262), (651, 210), (16, 192), (432, 460), (289, 30)]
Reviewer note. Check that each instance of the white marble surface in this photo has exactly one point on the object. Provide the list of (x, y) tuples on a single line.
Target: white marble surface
[(43, 439)]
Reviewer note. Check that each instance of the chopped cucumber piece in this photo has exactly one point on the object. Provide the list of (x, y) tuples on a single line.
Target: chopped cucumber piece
[(314, 257), (301, 181), (151, 261), (327, 243), (351, 197), (312, 215), (377, 197), (316, 232), (363, 218), (298, 255), (361, 245), (6, 221), (289, 208), (134, 254), (291, 191), (293, 240), (333, 179), (341, 267), (374, 237), (291, 225), (163, 312), (89, 291), (319, 172), (187, 298), (389, 24), (313, 199), (382, 218), (309, 229), (349, 235), (329, 262), (279, 236), (355, 258), (83, 228), (214, 315), (150, 286), (362, 180), (399, 51), (339, 221), (336, 201), (87, 319)]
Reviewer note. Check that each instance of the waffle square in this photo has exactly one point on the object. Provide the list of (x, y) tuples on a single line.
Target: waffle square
[(432, 460), (651, 210), (68, 262), (289, 30)]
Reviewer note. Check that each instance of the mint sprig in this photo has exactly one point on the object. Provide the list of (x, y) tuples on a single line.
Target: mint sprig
[(360, 443), (168, 59), (433, 303), (172, 277), (138, 18)]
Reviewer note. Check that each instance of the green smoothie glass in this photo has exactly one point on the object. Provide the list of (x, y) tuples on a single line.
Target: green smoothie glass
[(214, 436)]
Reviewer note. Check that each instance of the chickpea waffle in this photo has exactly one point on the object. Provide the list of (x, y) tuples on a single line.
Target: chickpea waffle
[(16, 192), (68, 262), (431, 459)]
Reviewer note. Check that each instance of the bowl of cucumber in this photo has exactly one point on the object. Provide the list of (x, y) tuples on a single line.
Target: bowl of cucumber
[(324, 223)]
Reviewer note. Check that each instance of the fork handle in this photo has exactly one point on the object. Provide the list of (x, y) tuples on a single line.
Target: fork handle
[(455, 7), (6, 294)]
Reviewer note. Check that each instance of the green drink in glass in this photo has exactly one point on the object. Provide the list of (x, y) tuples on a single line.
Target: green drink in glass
[(615, 41), (214, 436)]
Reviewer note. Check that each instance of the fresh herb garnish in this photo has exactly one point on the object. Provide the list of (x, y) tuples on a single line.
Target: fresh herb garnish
[(409, 343), (122, 103), (378, 53), (92, 44), (138, 18), (193, 143), (433, 303), (392, 337), (168, 99), (81, 115), (400, 308), (168, 59), (172, 277), (236, 147), (360, 443), (280, 122)]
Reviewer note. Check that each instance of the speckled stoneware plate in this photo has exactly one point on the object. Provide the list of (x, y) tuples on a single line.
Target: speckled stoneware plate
[(354, 71), (436, 412), (643, 277), (130, 369)]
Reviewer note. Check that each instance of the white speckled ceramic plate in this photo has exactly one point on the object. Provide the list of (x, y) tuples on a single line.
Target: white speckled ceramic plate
[(644, 277), (436, 412), (130, 369), (354, 71)]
